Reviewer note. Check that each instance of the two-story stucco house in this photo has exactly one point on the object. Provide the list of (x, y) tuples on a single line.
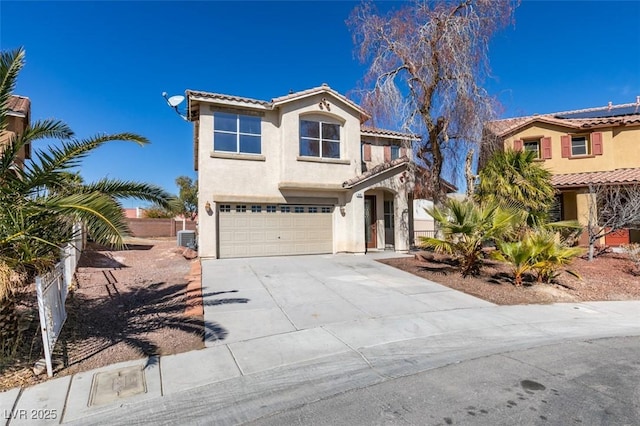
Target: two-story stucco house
[(298, 174), (18, 116), (595, 146)]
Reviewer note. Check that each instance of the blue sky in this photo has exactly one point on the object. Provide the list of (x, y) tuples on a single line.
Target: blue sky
[(102, 66)]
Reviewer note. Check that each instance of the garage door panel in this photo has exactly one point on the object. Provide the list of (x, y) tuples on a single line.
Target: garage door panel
[(268, 233)]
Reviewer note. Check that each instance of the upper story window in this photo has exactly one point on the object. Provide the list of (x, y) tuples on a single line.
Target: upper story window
[(540, 146), (533, 146), (319, 139), (579, 145), (395, 152), (236, 133), (584, 145)]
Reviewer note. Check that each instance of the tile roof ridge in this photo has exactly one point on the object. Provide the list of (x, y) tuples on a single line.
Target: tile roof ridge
[(598, 171), (225, 96), (292, 95)]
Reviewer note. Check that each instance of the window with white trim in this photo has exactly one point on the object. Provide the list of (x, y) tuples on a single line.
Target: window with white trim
[(271, 209), (298, 209), (326, 209), (237, 133), (256, 209), (225, 208), (579, 145), (241, 208), (319, 139)]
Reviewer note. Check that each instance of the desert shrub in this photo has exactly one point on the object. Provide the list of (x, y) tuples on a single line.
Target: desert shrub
[(633, 252), (467, 227)]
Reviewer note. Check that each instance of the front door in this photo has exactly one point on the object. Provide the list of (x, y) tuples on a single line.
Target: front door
[(370, 223)]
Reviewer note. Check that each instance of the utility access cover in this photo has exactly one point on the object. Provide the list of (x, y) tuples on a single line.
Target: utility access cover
[(113, 386)]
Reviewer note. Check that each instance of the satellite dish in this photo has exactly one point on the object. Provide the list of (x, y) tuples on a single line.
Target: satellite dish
[(174, 101)]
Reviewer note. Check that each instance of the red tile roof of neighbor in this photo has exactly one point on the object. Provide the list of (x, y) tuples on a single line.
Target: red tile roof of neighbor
[(19, 104), (508, 125), (618, 176)]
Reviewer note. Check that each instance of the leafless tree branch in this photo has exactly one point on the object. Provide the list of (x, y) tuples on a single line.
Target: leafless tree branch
[(427, 62), (612, 207)]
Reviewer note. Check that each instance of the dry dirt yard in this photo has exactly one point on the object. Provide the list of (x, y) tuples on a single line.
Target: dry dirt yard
[(128, 304), (608, 277)]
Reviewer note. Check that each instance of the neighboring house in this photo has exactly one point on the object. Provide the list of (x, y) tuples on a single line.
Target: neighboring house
[(18, 116), (584, 147), (134, 212), (299, 174)]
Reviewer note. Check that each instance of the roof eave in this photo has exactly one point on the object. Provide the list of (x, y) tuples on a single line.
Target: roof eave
[(393, 168)]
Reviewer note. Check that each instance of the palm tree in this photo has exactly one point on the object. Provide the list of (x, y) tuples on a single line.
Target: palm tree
[(41, 200), (513, 177), (467, 227)]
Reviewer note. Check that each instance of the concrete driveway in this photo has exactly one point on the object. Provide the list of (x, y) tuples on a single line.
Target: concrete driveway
[(251, 298)]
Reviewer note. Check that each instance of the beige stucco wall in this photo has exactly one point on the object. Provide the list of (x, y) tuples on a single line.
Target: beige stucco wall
[(620, 148), (229, 178)]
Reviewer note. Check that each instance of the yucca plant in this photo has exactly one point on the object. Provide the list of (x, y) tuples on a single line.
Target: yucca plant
[(466, 227), (41, 200)]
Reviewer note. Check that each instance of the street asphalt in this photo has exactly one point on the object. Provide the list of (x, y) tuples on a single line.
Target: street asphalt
[(295, 337), (595, 382)]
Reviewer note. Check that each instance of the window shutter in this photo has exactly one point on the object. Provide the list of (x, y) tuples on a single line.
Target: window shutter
[(596, 143), (387, 153), (403, 152), (517, 145), (367, 152), (546, 148), (565, 142)]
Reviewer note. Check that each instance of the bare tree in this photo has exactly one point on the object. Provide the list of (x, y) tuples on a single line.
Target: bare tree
[(611, 208), (427, 61)]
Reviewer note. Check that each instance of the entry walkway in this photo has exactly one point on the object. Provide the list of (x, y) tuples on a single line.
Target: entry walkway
[(282, 332)]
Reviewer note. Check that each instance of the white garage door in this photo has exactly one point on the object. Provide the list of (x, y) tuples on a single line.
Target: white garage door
[(247, 230)]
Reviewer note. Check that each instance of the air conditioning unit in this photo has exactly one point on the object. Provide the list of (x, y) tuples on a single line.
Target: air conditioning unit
[(187, 239)]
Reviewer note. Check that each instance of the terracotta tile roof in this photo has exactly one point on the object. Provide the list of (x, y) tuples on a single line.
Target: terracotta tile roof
[(508, 125), (379, 169), (279, 100), (320, 89), (19, 104), (374, 131), (617, 176), (222, 97)]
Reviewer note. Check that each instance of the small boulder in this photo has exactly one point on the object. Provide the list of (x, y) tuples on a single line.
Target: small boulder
[(189, 254)]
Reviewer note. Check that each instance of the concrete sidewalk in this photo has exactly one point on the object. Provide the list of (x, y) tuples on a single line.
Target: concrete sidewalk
[(285, 331)]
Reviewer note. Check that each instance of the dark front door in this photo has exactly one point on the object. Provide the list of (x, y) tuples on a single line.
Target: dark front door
[(370, 226)]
